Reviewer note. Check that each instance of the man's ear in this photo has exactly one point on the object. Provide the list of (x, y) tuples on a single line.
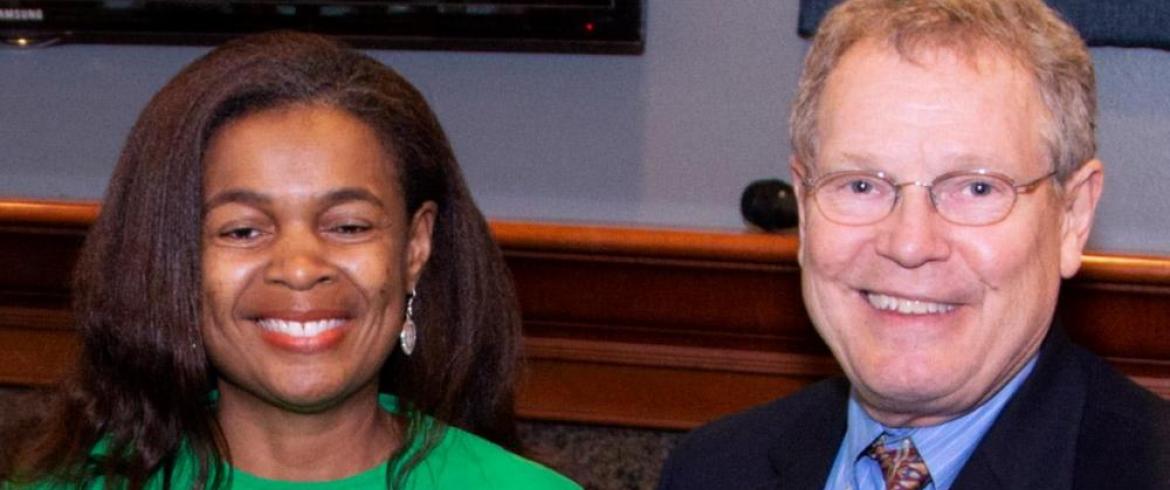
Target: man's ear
[(799, 170), (418, 248), (1082, 191)]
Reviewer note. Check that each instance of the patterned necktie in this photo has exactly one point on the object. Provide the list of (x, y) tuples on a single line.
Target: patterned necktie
[(902, 466)]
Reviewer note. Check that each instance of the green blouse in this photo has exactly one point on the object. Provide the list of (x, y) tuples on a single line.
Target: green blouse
[(460, 461)]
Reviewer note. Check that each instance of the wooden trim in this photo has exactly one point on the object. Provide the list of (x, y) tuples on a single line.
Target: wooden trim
[(68, 214), (664, 328), (1125, 269), (646, 242)]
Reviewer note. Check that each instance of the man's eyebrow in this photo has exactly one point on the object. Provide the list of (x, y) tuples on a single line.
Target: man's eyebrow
[(972, 161), (242, 196), (858, 161), (868, 161)]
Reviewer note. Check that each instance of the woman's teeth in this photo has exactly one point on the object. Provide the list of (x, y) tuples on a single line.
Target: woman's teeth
[(299, 329)]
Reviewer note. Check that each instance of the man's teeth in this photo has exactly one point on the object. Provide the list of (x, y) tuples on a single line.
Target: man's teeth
[(299, 329), (906, 306)]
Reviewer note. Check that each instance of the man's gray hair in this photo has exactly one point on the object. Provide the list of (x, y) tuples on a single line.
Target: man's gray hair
[(1028, 31)]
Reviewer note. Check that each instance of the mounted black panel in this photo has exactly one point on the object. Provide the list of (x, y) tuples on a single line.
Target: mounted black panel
[(577, 26)]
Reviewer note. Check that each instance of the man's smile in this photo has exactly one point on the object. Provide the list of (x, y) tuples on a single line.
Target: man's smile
[(906, 306)]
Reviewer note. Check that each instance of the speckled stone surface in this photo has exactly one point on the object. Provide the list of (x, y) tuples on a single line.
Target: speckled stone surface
[(600, 457)]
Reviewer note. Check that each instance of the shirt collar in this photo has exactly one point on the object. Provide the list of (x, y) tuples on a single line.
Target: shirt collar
[(944, 447)]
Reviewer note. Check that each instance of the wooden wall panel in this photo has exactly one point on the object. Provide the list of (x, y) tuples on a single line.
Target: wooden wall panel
[(659, 386), (35, 356), (626, 326), (671, 301)]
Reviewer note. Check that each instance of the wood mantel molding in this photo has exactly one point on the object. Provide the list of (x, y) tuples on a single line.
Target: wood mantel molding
[(644, 327), (662, 243), (56, 214)]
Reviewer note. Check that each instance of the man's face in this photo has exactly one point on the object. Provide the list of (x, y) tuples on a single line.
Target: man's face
[(929, 318)]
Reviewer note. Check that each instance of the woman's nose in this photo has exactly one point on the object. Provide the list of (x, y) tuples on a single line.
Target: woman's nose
[(299, 260)]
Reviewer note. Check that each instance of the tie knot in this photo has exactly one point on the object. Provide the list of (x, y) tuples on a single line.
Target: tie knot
[(901, 464)]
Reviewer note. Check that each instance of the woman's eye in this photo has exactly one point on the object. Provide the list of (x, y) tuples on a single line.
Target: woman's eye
[(242, 233), (350, 228)]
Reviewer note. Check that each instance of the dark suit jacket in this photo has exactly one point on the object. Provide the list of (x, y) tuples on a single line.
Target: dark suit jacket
[(1075, 423)]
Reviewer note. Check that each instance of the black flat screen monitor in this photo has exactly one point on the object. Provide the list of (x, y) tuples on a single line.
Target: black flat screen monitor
[(583, 26)]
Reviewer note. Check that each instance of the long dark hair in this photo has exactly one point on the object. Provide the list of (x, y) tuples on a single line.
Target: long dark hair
[(141, 386)]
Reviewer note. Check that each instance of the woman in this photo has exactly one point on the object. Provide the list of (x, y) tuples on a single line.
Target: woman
[(288, 283)]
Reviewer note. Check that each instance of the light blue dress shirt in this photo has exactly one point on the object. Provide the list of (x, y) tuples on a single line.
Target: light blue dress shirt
[(945, 447)]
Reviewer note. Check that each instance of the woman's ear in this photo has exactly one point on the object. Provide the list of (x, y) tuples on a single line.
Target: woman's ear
[(418, 248), (1082, 191)]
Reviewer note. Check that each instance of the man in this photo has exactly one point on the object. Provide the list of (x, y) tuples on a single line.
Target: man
[(946, 175)]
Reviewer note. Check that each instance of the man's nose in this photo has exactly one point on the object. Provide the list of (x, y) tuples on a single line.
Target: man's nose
[(299, 260), (914, 234)]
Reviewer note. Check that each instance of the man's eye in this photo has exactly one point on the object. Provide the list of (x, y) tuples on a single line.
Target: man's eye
[(981, 188), (853, 186), (861, 186)]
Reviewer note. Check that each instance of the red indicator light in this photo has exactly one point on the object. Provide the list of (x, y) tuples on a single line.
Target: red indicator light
[(589, 27)]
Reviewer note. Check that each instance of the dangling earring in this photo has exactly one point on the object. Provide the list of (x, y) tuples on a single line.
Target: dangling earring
[(409, 334)]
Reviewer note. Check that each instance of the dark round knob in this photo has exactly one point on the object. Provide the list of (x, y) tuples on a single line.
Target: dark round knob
[(769, 204)]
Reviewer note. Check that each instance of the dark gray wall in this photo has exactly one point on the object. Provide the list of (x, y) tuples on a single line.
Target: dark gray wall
[(668, 138)]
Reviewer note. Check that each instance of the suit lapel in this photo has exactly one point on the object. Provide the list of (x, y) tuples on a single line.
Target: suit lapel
[(1032, 444), (810, 438)]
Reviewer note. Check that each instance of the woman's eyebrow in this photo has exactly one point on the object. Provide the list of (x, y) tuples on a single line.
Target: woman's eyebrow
[(348, 194), (260, 200), (241, 196)]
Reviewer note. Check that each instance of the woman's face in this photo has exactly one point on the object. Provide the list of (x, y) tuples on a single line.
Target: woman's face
[(308, 254)]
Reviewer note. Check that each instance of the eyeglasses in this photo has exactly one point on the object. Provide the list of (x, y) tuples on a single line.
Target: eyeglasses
[(970, 198)]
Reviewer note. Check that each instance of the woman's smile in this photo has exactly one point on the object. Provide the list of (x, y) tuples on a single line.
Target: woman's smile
[(303, 336)]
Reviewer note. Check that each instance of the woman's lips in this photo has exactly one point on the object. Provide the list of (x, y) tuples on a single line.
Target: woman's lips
[(303, 333)]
